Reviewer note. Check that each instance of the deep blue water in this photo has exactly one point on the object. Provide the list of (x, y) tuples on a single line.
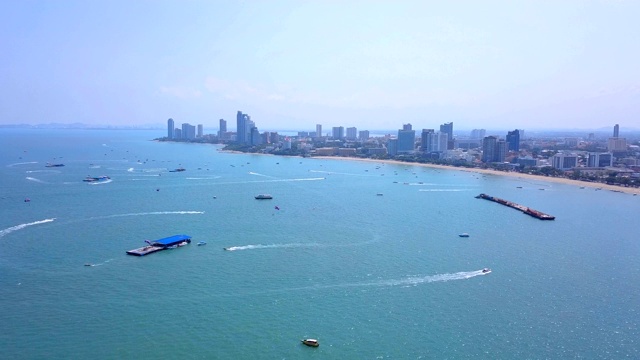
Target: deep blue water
[(370, 276)]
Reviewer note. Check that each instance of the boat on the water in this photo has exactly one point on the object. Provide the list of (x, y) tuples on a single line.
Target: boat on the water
[(200, 243), (263, 197), (311, 342), (54, 165), (178, 169), (464, 235), (486, 271), (94, 179)]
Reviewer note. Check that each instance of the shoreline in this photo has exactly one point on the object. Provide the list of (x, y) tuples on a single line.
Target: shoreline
[(578, 183)]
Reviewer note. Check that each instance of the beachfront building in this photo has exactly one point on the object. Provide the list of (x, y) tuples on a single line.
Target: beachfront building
[(222, 130), (352, 133), (513, 140), (318, 130), (493, 150), (564, 161), (448, 129), (406, 139), (363, 135), (171, 126), (188, 131), (337, 133), (599, 160)]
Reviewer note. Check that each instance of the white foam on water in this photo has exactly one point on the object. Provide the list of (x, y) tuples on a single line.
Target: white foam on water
[(22, 163), (440, 190), (271, 246), (148, 213), (35, 180), (22, 226)]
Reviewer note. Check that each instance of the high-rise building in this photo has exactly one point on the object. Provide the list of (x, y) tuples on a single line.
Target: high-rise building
[(425, 139), (406, 139), (256, 138), (564, 161), (599, 159), (200, 131), (392, 147), (616, 130), (241, 132), (352, 133), (617, 144), (338, 133), (188, 131), (448, 129), (363, 135), (501, 151), (489, 148), (177, 133), (318, 130), (223, 128), (171, 126), (513, 140), (478, 133)]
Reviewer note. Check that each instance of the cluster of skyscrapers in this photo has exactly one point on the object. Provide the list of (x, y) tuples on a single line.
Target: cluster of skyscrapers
[(186, 132)]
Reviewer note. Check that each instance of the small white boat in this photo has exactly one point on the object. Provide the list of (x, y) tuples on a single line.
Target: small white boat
[(486, 271), (311, 342), (464, 235), (200, 243)]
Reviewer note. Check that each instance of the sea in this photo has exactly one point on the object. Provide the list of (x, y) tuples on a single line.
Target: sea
[(366, 257)]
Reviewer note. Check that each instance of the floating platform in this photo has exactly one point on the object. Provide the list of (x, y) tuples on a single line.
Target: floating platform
[(527, 210), (170, 242)]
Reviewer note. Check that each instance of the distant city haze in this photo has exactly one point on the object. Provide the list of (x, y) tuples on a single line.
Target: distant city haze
[(294, 64)]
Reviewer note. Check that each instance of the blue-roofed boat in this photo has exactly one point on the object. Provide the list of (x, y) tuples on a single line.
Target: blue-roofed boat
[(170, 242)]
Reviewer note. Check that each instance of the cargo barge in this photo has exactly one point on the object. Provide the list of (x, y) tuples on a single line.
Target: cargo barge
[(170, 242), (527, 210)]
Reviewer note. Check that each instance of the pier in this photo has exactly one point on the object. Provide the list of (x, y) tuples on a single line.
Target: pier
[(170, 242), (527, 210)]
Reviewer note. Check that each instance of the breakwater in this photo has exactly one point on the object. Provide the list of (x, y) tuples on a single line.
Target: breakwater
[(527, 210)]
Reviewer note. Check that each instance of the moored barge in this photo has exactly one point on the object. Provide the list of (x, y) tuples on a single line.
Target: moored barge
[(527, 210), (170, 242)]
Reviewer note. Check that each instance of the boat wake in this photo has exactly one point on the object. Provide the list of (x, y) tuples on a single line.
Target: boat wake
[(99, 264), (101, 182), (22, 163), (272, 246), (36, 180), (22, 226), (268, 181), (254, 173), (340, 173), (148, 213), (442, 190), (417, 280)]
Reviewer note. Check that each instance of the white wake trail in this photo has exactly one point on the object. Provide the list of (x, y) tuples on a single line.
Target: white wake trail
[(36, 180), (148, 213), (22, 226), (271, 246)]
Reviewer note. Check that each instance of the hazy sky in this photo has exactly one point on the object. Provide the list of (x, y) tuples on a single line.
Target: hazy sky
[(292, 64)]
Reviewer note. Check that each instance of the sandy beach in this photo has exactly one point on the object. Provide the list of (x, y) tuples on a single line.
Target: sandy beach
[(527, 177)]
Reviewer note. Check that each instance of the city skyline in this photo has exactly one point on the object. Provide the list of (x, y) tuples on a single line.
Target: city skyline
[(531, 65)]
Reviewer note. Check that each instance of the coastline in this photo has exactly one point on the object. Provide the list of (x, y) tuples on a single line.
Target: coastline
[(558, 180)]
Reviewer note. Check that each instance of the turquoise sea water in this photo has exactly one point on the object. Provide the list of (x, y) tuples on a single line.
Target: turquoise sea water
[(370, 276)]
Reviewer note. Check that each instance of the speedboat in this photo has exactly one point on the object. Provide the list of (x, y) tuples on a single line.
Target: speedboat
[(200, 243), (263, 197), (486, 271), (464, 235), (311, 342)]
